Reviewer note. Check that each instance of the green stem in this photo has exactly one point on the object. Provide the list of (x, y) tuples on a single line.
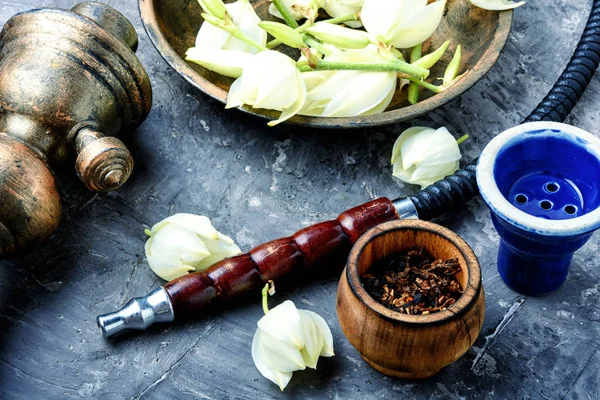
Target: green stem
[(285, 13), (315, 44), (395, 66), (148, 232), (251, 42), (415, 53), (426, 85), (265, 298), (462, 138), (413, 88), (345, 18)]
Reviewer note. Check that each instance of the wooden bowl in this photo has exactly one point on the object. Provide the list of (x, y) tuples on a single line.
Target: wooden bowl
[(401, 345), (172, 26)]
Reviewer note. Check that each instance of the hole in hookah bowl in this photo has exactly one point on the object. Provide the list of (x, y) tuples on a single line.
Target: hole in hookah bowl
[(552, 187), (546, 205), (521, 199), (570, 209)]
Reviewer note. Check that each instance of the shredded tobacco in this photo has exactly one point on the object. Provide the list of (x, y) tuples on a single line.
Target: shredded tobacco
[(414, 282)]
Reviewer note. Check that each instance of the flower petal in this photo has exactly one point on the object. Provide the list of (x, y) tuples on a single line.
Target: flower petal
[(379, 108), (298, 104), (340, 8), (401, 173), (234, 97), (436, 172), (211, 38), (165, 270), (396, 153), (259, 356), (282, 356), (430, 147), (177, 245), (368, 89), (429, 181), (419, 27), (283, 323), (313, 342), (224, 62), (243, 15), (277, 89), (324, 332), (414, 145), (198, 224), (380, 16), (496, 5)]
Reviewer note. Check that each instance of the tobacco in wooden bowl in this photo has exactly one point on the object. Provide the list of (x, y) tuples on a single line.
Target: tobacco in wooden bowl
[(401, 345)]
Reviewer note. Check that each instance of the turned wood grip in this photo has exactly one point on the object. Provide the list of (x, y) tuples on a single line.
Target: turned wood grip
[(324, 245)]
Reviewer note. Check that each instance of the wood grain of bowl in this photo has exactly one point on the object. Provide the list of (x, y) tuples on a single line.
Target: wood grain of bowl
[(172, 26), (401, 345)]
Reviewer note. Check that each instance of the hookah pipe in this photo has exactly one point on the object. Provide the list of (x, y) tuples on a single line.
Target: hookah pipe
[(70, 82), (328, 243)]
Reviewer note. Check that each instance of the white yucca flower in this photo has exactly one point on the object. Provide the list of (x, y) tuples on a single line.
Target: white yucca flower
[(422, 156), (288, 340), (183, 243)]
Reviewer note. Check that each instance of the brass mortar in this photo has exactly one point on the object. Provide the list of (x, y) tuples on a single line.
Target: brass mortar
[(70, 82)]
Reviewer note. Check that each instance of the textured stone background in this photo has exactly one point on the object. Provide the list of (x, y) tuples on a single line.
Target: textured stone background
[(258, 184)]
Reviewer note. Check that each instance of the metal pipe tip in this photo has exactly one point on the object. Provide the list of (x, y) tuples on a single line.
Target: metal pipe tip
[(139, 313), (110, 324)]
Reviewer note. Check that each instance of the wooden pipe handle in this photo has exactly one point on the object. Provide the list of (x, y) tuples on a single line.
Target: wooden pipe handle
[(324, 245)]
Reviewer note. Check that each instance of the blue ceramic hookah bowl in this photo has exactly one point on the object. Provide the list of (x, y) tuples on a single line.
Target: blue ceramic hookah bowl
[(541, 182)]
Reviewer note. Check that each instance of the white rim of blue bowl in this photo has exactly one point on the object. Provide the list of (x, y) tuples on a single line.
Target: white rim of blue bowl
[(499, 205)]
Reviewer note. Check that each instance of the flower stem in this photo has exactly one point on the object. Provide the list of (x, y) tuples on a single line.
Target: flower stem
[(309, 40), (413, 88), (285, 13), (426, 85), (265, 299), (345, 18), (462, 138), (269, 289), (416, 73), (148, 232)]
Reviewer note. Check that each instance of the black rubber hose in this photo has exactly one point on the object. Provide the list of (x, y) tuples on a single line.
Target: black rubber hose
[(453, 191)]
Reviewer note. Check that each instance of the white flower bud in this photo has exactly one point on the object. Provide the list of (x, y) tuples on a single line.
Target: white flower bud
[(283, 33), (496, 5), (344, 38), (401, 23), (183, 243), (243, 16), (287, 340), (270, 81), (422, 156)]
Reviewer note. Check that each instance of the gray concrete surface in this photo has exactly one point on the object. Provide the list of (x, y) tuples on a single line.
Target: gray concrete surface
[(258, 184)]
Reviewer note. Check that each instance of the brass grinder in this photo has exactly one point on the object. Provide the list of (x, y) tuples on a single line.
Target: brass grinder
[(69, 83)]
